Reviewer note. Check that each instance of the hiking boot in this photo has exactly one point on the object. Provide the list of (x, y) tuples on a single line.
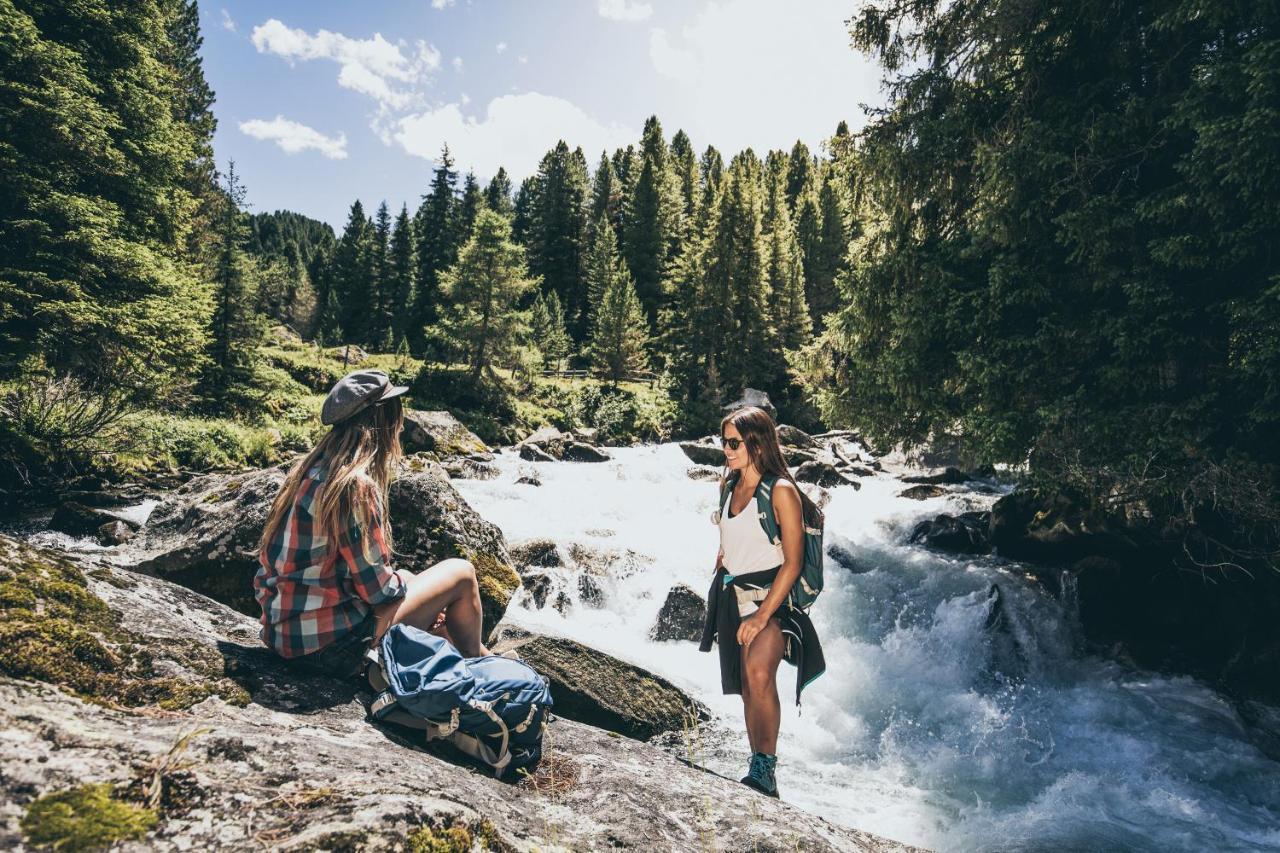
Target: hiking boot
[(760, 774)]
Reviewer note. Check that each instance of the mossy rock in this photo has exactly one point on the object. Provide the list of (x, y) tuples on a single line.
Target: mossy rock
[(54, 629), (498, 582), (86, 817)]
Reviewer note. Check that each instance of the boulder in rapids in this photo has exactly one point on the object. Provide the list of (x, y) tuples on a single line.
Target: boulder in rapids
[(948, 476), (439, 432), (542, 553), (478, 466), (922, 493), (703, 473), (823, 474), (115, 533), (598, 689), (704, 451), (77, 519), (681, 616), (577, 451), (795, 437), (962, 534)]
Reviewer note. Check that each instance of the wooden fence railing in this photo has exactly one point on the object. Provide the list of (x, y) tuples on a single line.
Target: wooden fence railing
[(646, 377)]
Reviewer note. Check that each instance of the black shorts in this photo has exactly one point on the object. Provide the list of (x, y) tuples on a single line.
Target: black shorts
[(341, 658)]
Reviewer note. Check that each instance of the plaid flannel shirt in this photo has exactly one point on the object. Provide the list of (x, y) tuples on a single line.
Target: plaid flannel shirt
[(313, 594)]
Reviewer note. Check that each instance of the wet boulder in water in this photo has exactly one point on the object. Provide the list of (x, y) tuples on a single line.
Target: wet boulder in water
[(439, 432), (703, 473), (539, 586), (592, 687), (577, 451), (542, 553), (534, 453), (922, 493), (681, 616), (704, 451), (795, 437), (473, 467), (823, 474), (962, 534), (1008, 659), (78, 519), (115, 533), (590, 593), (797, 456), (846, 560), (949, 476), (529, 480)]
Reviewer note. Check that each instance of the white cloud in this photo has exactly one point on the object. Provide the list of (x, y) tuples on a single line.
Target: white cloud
[(371, 66), (442, 4), (736, 55), (524, 60), (623, 10), (502, 47), (515, 132), (228, 23), (293, 137), (464, 98), (457, 63)]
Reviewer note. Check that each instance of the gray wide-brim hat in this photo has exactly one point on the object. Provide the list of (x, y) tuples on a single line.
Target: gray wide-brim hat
[(355, 392)]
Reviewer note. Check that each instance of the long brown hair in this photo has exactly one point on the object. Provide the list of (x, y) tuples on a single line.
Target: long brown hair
[(361, 454), (764, 451)]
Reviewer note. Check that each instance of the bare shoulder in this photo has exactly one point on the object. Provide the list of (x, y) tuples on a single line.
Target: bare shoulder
[(786, 495)]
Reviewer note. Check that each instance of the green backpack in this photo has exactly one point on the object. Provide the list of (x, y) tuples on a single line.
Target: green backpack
[(809, 584)]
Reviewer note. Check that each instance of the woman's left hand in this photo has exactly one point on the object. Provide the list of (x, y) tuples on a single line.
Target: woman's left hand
[(750, 627)]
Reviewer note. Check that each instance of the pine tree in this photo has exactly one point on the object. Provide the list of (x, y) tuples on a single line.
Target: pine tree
[(378, 330), (785, 277), (825, 260), (523, 210), (606, 195), (557, 234), (710, 171), (497, 195), (468, 207), (400, 281), (547, 329), (684, 165), (436, 240), (237, 329), (619, 337), (352, 283), (483, 289), (650, 235), (800, 174), (95, 197)]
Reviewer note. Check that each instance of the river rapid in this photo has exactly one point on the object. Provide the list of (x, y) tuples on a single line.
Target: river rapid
[(939, 722)]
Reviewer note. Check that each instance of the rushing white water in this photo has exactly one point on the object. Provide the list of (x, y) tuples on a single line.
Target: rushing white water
[(928, 727)]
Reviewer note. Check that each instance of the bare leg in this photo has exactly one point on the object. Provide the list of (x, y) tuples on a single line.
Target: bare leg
[(760, 703), (448, 584)]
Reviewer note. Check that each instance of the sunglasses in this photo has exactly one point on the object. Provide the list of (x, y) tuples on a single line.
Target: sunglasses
[(731, 443)]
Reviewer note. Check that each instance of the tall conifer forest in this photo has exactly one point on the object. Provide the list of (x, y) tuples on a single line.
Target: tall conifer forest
[(1053, 250)]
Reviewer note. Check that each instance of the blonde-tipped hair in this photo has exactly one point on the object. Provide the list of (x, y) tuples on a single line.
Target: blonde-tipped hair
[(361, 454)]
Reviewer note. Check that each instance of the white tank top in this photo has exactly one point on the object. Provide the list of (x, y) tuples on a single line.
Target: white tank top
[(743, 542)]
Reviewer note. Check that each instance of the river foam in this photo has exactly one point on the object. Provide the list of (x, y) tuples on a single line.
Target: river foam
[(930, 726)]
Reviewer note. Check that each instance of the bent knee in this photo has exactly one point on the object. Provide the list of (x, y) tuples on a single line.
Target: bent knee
[(462, 570), (758, 678)]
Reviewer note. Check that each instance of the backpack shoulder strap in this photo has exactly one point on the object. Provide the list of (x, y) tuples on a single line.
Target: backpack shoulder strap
[(726, 486), (764, 507)]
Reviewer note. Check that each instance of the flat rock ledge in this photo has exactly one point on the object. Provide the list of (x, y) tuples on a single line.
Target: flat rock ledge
[(297, 767)]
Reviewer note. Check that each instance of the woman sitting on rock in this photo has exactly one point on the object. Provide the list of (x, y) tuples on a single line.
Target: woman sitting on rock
[(748, 613), (325, 583)]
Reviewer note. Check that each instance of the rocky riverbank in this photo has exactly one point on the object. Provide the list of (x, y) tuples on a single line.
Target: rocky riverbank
[(137, 706)]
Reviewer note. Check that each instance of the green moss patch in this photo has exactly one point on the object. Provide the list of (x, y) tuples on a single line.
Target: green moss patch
[(84, 818), (54, 629), (498, 581), (456, 837)]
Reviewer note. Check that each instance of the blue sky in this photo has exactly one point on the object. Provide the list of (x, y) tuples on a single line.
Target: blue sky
[(320, 103)]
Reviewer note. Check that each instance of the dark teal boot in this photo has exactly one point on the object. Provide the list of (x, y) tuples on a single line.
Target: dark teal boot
[(760, 774)]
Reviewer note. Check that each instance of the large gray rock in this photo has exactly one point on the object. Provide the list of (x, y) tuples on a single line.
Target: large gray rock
[(823, 474), (205, 535), (78, 519), (331, 780), (439, 432), (577, 451), (794, 436), (704, 451), (681, 617), (598, 689)]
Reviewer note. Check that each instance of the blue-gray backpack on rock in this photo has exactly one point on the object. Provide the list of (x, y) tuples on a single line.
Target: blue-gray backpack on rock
[(494, 709)]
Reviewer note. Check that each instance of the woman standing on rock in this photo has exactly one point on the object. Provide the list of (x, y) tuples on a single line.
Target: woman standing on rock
[(748, 612), (325, 585)]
